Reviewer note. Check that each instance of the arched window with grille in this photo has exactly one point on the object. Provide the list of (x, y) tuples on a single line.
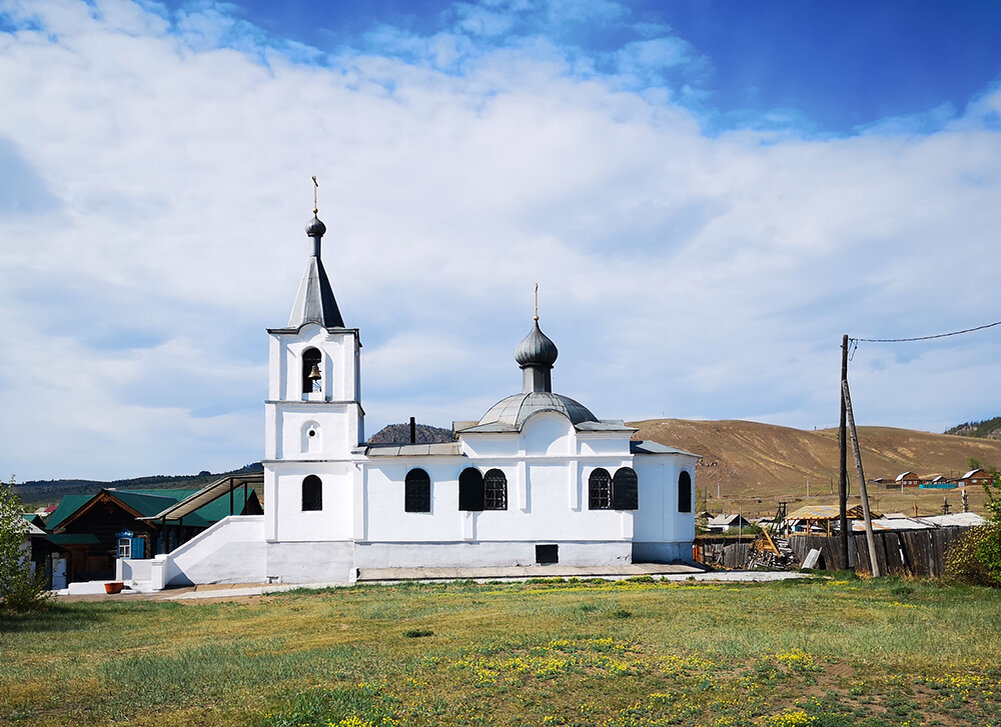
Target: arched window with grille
[(470, 490), (684, 492), (625, 490), (310, 381), (599, 490), (312, 493), (417, 495), (494, 490)]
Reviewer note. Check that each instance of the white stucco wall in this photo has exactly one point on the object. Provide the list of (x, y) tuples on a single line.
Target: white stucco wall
[(283, 501), (482, 554), (231, 551), (658, 519)]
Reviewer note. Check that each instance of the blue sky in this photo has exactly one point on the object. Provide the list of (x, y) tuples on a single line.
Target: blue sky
[(709, 193)]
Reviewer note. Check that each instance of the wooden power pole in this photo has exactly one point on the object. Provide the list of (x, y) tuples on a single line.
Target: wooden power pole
[(843, 452), (863, 490)]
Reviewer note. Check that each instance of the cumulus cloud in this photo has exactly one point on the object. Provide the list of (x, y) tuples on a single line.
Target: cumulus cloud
[(160, 166)]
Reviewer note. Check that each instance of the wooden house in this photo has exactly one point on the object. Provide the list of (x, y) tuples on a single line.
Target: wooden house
[(975, 478), (90, 532)]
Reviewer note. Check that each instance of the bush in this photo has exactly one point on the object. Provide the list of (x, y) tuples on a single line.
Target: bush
[(20, 589), (975, 557)]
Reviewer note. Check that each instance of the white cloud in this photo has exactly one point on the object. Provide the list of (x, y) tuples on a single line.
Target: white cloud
[(681, 275)]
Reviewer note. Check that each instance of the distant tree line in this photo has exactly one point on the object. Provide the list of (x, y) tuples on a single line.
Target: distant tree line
[(987, 429), (37, 491)]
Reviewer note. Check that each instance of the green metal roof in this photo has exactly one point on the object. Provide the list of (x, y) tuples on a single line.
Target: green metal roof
[(68, 505), (145, 503), (152, 502)]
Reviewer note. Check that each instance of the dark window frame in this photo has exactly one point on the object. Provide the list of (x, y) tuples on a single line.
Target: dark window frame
[(417, 491), (312, 493), (625, 489), (684, 492), (471, 490), (599, 490), (494, 490)]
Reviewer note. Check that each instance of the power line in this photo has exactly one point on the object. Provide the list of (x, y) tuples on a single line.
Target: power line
[(924, 338)]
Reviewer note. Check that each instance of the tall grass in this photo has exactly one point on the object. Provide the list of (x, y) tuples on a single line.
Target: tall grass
[(578, 652)]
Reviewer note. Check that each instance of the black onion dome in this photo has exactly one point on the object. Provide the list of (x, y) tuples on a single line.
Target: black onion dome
[(316, 228), (536, 350)]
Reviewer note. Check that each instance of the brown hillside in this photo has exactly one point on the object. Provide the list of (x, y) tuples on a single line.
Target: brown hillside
[(754, 465)]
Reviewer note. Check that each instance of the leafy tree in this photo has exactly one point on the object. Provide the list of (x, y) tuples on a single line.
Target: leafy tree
[(973, 463), (975, 557), (20, 589)]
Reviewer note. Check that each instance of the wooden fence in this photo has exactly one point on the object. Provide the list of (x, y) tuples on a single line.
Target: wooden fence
[(902, 552)]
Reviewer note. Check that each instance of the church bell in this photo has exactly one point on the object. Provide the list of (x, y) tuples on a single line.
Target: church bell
[(314, 373)]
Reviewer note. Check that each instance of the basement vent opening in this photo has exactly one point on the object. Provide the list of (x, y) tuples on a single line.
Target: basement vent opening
[(547, 554)]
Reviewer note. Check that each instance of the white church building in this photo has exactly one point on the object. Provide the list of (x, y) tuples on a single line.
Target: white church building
[(537, 480)]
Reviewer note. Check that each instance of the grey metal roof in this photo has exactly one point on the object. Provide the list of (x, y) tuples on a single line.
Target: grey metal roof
[(605, 425), (537, 349), (510, 414), (647, 447), (315, 303), (412, 450)]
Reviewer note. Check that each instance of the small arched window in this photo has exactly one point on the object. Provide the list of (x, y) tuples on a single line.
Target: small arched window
[(470, 490), (310, 381), (494, 490), (599, 490), (684, 492), (625, 490), (312, 493), (417, 495)]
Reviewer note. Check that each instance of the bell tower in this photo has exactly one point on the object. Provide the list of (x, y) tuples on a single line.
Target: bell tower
[(313, 410)]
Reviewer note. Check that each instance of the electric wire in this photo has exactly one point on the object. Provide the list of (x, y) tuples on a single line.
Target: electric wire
[(924, 338)]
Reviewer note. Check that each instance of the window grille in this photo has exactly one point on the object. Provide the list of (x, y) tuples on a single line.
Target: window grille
[(417, 495), (494, 490), (599, 490)]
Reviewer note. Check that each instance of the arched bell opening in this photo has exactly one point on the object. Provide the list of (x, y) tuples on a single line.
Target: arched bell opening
[(311, 376)]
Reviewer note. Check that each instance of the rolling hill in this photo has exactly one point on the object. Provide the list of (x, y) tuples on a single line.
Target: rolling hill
[(753, 465)]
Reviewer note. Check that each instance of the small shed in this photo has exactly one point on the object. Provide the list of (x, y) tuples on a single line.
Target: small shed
[(727, 522)]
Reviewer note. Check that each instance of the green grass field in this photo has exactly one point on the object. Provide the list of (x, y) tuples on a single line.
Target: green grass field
[(813, 652)]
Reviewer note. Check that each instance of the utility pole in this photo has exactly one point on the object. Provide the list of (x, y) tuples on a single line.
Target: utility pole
[(870, 540), (843, 456)]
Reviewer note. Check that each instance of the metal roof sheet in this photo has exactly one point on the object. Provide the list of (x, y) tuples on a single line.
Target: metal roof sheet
[(885, 524), (956, 519), (315, 303), (514, 410), (68, 505), (413, 450), (646, 447), (193, 504)]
